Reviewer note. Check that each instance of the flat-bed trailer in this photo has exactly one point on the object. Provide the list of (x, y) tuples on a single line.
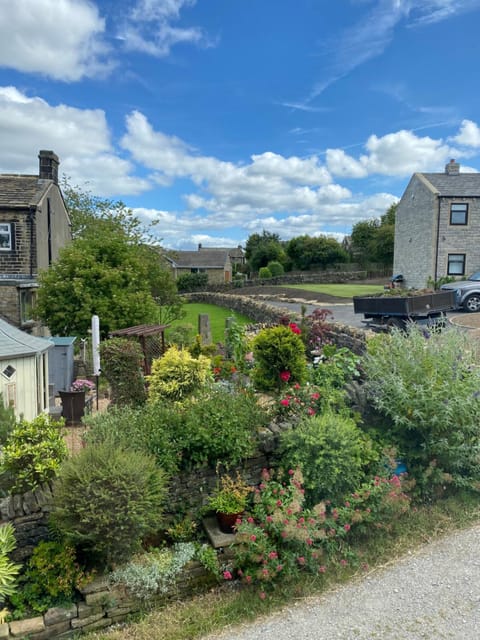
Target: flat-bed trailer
[(387, 310)]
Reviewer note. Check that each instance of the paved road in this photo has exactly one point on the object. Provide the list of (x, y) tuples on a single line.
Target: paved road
[(432, 593)]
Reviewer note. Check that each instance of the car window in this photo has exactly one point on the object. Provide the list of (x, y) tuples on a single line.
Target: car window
[(475, 276)]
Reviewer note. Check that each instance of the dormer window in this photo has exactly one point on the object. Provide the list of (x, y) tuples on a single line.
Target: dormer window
[(459, 213), (6, 236)]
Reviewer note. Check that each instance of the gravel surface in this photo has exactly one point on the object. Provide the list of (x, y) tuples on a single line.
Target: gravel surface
[(431, 593)]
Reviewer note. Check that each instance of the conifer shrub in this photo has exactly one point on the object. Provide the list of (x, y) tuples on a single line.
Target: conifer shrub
[(279, 356), (177, 374), (122, 361), (107, 499)]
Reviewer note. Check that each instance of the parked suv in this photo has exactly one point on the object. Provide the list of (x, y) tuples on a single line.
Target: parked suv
[(467, 292)]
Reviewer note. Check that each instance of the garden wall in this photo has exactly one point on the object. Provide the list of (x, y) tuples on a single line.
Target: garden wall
[(262, 312)]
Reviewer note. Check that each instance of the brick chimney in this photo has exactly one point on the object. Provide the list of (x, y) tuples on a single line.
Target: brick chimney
[(48, 166), (452, 168)]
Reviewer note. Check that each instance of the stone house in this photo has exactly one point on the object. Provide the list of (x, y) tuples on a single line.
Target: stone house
[(437, 227), (214, 262), (34, 226), (236, 254)]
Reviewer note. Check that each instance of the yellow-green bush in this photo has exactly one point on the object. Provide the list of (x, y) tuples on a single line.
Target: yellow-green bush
[(177, 374)]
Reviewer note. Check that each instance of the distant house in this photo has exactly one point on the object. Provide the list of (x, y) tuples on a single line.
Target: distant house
[(34, 226), (236, 254), (437, 227), (23, 371), (215, 263)]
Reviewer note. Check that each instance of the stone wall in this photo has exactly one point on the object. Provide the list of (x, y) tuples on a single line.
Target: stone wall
[(262, 312)]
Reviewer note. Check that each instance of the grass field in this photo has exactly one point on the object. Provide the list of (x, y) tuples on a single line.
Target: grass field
[(340, 290), (217, 315)]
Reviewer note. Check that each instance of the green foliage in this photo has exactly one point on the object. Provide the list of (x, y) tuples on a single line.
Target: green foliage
[(33, 453), (336, 367), (309, 252), (264, 273), (156, 572), (436, 284), (7, 421), (220, 427), (276, 268), (8, 570), (237, 344), (427, 384), (192, 282), (122, 361), (230, 495), (264, 248), (372, 240), (332, 453), (181, 335), (278, 351), (150, 429), (51, 578), (207, 556), (178, 374), (106, 500)]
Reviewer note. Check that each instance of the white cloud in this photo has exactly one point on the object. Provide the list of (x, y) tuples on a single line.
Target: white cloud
[(469, 134), (81, 139), (61, 39), (341, 164), (148, 28)]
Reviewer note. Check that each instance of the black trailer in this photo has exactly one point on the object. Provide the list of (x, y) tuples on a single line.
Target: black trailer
[(393, 310)]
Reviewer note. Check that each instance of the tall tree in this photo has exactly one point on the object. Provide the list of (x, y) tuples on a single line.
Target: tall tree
[(308, 252), (108, 270), (372, 240), (264, 248)]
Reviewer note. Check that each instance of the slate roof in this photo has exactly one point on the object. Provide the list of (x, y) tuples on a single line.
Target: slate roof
[(18, 344), (21, 191), (460, 185), (206, 259), (233, 252)]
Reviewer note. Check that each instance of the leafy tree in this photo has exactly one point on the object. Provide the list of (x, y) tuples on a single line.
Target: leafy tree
[(372, 240), (109, 270), (307, 252), (264, 248)]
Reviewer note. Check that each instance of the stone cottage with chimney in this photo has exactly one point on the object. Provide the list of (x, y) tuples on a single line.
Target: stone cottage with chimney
[(437, 227), (34, 226)]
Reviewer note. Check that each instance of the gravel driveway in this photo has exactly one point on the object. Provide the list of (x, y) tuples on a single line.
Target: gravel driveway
[(433, 593)]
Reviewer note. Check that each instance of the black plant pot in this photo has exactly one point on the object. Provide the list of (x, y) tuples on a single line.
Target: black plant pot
[(73, 406)]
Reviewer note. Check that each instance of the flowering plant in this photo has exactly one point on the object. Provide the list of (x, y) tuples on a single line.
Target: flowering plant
[(281, 538), (300, 400), (231, 495), (82, 385)]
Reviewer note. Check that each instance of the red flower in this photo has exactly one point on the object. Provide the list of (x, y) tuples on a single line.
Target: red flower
[(285, 402), (285, 376), (346, 527), (294, 328)]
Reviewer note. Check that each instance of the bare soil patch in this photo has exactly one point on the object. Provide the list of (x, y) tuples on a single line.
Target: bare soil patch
[(286, 293)]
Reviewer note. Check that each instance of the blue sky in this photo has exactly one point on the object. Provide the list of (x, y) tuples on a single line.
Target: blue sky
[(221, 118)]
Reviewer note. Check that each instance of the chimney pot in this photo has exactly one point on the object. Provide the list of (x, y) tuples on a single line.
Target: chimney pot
[(452, 168), (48, 165)]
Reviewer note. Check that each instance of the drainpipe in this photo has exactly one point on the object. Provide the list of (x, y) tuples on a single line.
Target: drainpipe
[(435, 276), (31, 220)]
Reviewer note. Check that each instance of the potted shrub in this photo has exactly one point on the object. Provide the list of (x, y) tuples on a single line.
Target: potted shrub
[(229, 501)]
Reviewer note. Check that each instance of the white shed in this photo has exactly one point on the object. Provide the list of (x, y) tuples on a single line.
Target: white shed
[(23, 371)]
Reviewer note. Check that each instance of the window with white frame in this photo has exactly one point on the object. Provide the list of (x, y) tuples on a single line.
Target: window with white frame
[(6, 243), (456, 264), (459, 213)]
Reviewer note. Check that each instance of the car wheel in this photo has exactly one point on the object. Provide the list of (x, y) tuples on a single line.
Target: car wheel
[(472, 303)]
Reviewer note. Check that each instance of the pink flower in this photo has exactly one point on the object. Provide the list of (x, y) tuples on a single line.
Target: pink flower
[(269, 519), (227, 575), (346, 527), (285, 402), (347, 504), (279, 567), (265, 572), (296, 385), (285, 376), (301, 560), (248, 579), (291, 472), (278, 503), (343, 562), (310, 411), (272, 555), (315, 396), (253, 537), (250, 519), (262, 595), (309, 541), (322, 569)]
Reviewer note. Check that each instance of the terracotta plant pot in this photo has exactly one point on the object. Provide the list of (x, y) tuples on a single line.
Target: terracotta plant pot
[(226, 521)]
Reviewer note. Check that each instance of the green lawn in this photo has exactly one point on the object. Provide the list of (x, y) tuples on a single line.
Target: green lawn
[(340, 290), (217, 316)]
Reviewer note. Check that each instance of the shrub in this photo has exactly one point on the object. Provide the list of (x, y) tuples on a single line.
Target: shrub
[(427, 384), (8, 570), (106, 500), (178, 374), (220, 427), (155, 572), (182, 335), (336, 367), (149, 429), (7, 421), (122, 362), (264, 273), (33, 453), (191, 282), (275, 268), (332, 453), (51, 577), (279, 356)]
